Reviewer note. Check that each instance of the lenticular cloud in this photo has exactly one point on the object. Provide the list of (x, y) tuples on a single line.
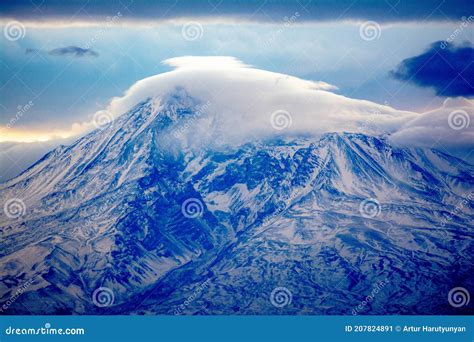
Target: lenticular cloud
[(242, 102)]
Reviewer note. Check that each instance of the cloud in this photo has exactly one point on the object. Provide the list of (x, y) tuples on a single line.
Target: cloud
[(446, 68), (74, 51), (241, 102), (450, 127), (384, 11), (237, 104)]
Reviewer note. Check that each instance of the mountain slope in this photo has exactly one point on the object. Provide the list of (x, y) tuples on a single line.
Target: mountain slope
[(326, 218)]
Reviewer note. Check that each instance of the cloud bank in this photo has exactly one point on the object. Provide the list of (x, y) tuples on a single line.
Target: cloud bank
[(446, 68), (241, 104), (383, 11)]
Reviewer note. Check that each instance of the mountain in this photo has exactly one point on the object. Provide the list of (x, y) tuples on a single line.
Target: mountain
[(134, 219)]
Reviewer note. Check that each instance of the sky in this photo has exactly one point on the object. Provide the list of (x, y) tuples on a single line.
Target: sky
[(62, 62)]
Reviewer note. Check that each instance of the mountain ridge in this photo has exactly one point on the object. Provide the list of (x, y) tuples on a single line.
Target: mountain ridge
[(108, 211)]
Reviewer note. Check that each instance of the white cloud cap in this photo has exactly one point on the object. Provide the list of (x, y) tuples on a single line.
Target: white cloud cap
[(242, 100)]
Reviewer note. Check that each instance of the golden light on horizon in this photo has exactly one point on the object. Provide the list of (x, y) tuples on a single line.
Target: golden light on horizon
[(18, 135)]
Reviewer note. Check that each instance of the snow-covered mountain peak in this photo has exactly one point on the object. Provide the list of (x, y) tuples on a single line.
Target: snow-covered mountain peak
[(141, 208)]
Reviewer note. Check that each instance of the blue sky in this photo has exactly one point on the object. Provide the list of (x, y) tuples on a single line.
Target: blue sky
[(71, 58), (67, 89)]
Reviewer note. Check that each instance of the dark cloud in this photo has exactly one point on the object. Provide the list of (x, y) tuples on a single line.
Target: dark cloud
[(263, 10), (446, 68), (74, 51)]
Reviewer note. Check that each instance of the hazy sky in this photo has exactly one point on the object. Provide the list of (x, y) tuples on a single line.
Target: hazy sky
[(63, 61)]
